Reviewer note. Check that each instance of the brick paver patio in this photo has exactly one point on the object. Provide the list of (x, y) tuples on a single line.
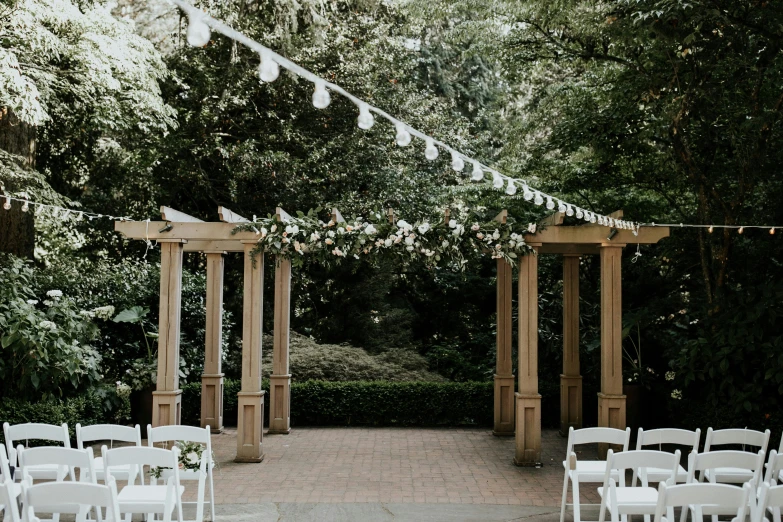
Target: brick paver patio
[(397, 465)]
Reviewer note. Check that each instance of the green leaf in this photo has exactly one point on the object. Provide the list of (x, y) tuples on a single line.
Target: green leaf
[(132, 315)]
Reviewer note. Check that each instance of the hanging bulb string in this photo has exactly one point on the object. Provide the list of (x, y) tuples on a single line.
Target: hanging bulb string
[(80, 214), (199, 21), (770, 228)]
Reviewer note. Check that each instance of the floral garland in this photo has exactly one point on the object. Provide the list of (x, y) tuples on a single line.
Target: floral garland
[(449, 243)]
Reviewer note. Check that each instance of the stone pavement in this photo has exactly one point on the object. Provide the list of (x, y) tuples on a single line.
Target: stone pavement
[(389, 474)]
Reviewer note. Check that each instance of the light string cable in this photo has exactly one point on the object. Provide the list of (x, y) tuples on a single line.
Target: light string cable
[(710, 228), (62, 213), (199, 33)]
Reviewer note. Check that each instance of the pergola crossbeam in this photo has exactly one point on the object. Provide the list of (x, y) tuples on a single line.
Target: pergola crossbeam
[(228, 216), (169, 214)]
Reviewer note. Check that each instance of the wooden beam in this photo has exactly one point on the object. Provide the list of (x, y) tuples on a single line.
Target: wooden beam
[(617, 214), (596, 235), (203, 231), (282, 216), (502, 217), (228, 216), (336, 216), (555, 220), (560, 249), (214, 246), (169, 214)]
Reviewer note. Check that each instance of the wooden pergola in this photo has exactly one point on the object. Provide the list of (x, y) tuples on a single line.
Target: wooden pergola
[(514, 413)]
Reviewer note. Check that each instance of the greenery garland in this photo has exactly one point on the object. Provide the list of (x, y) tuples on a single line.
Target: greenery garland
[(435, 242)]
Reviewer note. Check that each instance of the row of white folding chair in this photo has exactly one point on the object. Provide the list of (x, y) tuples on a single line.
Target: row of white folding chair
[(13, 491), (110, 433), (37, 431), (702, 500)]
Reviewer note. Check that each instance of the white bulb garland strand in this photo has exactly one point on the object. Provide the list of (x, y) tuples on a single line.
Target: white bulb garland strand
[(57, 212), (711, 228), (200, 26)]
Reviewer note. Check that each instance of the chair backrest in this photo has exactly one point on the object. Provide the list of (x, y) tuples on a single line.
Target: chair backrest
[(598, 435), (641, 459), (44, 496), (8, 500), (774, 467), (715, 497), (35, 431), (770, 497), (178, 432), (741, 437), (110, 432), (671, 436), (66, 457), (725, 459), (5, 466), (141, 456)]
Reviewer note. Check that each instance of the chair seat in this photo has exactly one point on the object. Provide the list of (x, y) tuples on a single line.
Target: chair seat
[(640, 501), (730, 475), (591, 471), (655, 475), (143, 499)]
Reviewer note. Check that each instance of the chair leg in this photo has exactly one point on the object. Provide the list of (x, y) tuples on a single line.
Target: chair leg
[(575, 495), (212, 498), (200, 501), (776, 515), (562, 502)]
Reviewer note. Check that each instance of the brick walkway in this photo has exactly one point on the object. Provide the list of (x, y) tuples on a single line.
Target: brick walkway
[(398, 465)]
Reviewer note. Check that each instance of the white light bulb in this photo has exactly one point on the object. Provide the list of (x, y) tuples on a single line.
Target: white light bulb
[(456, 162), (569, 210), (539, 200), (587, 216), (592, 218), (579, 213), (25, 206), (549, 203), (710, 229), (741, 230), (321, 97), (497, 181), (561, 207), (403, 136), (511, 188), (198, 30), (772, 231), (366, 120), (7, 204), (431, 152), (268, 70), (478, 174), (526, 193)]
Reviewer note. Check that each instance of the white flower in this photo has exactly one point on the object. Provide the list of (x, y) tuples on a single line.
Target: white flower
[(330, 233), (54, 293), (496, 234), (445, 243), (423, 228), (340, 231), (452, 223), (104, 312), (48, 302), (370, 230), (32, 302), (328, 241), (409, 240), (264, 232), (286, 240), (315, 236), (397, 239), (670, 376), (676, 394), (292, 229), (349, 228), (429, 253), (337, 252), (403, 224), (298, 247), (458, 230), (514, 236), (531, 227), (47, 325), (480, 235), (273, 228), (409, 248), (511, 244), (388, 242), (475, 227), (87, 313)]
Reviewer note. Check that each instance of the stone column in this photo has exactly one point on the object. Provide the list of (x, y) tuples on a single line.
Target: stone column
[(212, 378), (570, 379), (167, 398), (611, 401), (250, 421), (528, 400), (280, 380), (504, 377)]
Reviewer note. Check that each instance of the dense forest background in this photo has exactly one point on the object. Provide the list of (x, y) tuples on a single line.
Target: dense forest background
[(669, 110)]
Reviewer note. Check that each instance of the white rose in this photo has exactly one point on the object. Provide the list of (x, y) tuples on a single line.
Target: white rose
[(32, 302), (423, 228), (264, 232), (409, 248), (496, 234), (54, 293), (273, 228), (445, 243), (328, 241), (330, 233), (314, 236), (409, 240), (475, 227), (388, 243), (458, 230), (452, 223), (531, 227), (292, 229), (402, 224), (370, 230)]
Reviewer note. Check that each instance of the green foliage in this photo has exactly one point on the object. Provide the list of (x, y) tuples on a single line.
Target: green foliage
[(47, 346), (98, 406), (368, 403)]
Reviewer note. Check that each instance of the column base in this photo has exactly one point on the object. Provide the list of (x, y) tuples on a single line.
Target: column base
[(166, 408), (250, 426), (504, 406), (280, 405), (212, 402), (611, 414), (570, 403), (528, 430)]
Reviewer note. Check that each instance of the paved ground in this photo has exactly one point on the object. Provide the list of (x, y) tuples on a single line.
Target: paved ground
[(389, 474)]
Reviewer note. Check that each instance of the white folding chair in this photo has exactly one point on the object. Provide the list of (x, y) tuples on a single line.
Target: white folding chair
[(203, 436), (774, 472), (701, 500), (741, 463), (642, 500), (73, 497), (735, 437), (112, 433), (668, 436), (36, 431), (770, 499), (151, 498), (8, 494), (577, 471), (14, 489)]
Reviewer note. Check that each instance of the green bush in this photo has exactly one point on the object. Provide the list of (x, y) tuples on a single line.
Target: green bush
[(98, 406), (367, 403)]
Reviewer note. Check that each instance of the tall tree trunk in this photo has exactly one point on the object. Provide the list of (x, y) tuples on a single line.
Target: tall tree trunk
[(17, 228)]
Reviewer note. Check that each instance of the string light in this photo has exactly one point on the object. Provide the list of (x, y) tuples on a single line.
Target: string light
[(561, 207), (569, 211), (268, 70), (456, 162), (57, 212), (710, 229), (478, 174), (741, 230), (403, 137), (527, 193), (321, 97), (198, 30), (7, 204), (549, 203), (511, 188), (539, 199), (497, 181), (366, 120), (772, 231), (431, 152), (579, 213)]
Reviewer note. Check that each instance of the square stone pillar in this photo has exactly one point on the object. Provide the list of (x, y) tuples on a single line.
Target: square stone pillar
[(611, 401), (167, 398), (250, 421), (504, 378), (212, 378), (528, 400), (280, 380), (570, 379)]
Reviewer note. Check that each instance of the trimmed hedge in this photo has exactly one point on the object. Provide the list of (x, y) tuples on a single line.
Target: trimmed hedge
[(366, 403)]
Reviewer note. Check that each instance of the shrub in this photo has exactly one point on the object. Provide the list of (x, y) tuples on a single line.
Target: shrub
[(367, 403)]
